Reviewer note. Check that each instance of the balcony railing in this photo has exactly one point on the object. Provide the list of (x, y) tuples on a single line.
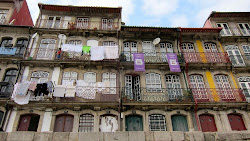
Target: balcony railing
[(12, 51), (66, 24), (206, 57), (240, 60), (181, 95), (156, 95), (149, 57)]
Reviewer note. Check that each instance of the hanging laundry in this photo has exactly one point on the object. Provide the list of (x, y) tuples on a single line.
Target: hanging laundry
[(14, 91), (23, 88), (32, 86), (38, 90), (86, 49), (22, 99), (71, 48), (81, 83), (70, 91), (50, 86), (84, 90), (111, 52), (97, 53), (45, 89), (59, 91), (100, 86)]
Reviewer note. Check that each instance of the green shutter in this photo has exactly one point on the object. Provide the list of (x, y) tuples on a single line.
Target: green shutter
[(134, 123), (179, 123)]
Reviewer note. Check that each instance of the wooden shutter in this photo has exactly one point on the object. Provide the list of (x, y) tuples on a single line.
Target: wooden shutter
[(24, 123), (134, 123), (207, 123), (179, 123), (236, 122)]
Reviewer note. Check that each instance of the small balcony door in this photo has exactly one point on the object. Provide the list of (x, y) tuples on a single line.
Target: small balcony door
[(198, 88), (173, 87), (53, 22), (166, 48), (64, 123), (129, 49), (148, 48), (212, 54), (189, 52), (47, 49), (132, 87), (235, 56), (245, 85), (225, 29), (225, 90), (134, 123), (82, 23)]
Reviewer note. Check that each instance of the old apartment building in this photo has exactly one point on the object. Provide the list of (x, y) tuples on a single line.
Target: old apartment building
[(73, 76)]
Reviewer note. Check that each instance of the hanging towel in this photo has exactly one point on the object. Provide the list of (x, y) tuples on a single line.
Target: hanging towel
[(14, 91), (111, 52), (32, 86), (97, 53), (86, 49), (23, 88), (71, 48), (59, 91), (22, 99), (65, 47), (70, 91)]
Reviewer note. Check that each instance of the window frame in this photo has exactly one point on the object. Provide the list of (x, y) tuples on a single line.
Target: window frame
[(225, 29), (68, 78), (40, 78), (152, 87), (244, 28), (157, 124), (88, 120)]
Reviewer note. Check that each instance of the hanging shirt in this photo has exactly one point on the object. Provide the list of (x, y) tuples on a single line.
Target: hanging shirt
[(23, 88), (85, 49), (97, 53), (111, 52), (32, 86), (59, 91), (22, 99)]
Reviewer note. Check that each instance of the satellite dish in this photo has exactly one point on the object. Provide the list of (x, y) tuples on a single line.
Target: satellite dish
[(62, 36), (156, 41), (34, 35)]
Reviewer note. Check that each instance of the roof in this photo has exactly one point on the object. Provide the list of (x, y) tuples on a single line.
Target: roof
[(215, 14), (80, 8)]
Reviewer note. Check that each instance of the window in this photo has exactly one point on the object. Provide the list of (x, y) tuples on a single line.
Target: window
[(179, 123), (109, 79), (86, 123), (189, 52), (132, 87), (235, 55), (21, 44), (10, 77), (47, 49), (82, 23), (245, 85), (166, 48), (39, 77), (64, 123), (129, 48), (225, 29), (90, 77), (157, 122), (225, 91), (3, 14), (246, 50), (198, 88), (6, 42), (212, 54), (148, 48), (107, 24), (75, 42), (53, 22), (28, 122), (69, 78), (109, 43), (173, 87), (244, 27), (153, 82)]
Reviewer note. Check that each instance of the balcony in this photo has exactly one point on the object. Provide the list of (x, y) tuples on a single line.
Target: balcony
[(149, 57), (12, 51), (218, 95), (156, 95), (240, 60), (66, 24), (206, 57), (235, 31)]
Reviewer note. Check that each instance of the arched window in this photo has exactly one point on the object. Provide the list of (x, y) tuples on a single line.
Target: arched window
[(157, 122), (86, 123), (10, 77), (153, 82), (39, 76), (166, 48), (6, 42), (207, 123), (109, 79), (21, 44), (69, 78), (189, 52), (179, 123), (28, 122), (236, 122), (90, 77), (173, 86), (109, 43), (47, 49), (129, 48), (224, 88), (198, 88), (64, 123)]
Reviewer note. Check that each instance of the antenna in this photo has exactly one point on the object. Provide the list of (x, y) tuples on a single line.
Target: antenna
[(156, 41)]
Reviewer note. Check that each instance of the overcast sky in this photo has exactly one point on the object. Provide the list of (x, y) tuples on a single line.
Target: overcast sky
[(163, 13)]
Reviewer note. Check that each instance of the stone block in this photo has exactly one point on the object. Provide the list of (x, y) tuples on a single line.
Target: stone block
[(136, 136), (21, 136), (149, 136), (188, 136), (210, 136), (43, 136), (198, 136), (61, 136), (177, 136), (3, 136), (162, 136), (245, 135), (91, 136), (229, 136), (115, 136), (73, 136)]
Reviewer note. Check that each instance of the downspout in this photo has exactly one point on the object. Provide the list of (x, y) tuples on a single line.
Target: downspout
[(118, 68)]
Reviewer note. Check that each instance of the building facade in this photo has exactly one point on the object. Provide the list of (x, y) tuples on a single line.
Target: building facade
[(74, 72)]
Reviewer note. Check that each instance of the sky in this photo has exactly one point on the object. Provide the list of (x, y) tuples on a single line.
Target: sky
[(160, 13)]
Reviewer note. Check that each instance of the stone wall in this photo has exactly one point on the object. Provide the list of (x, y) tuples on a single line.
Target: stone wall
[(125, 136)]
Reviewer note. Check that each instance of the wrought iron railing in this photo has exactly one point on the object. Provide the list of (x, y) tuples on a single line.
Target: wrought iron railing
[(12, 51), (149, 57), (240, 60), (181, 95), (156, 95), (206, 57), (66, 24)]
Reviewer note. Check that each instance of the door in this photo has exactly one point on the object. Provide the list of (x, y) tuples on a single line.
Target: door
[(128, 87), (212, 54), (47, 49), (225, 90), (82, 23), (207, 123), (134, 123), (235, 56), (132, 87), (179, 123), (64, 123), (108, 123), (173, 87), (165, 48), (53, 22), (148, 48), (24, 123), (189, 52), (236, 122), (198, 88)]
